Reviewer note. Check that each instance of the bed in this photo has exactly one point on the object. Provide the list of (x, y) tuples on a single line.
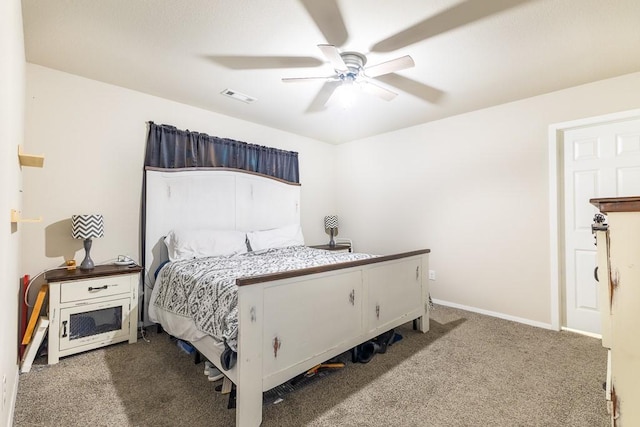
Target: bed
[(285, 320)]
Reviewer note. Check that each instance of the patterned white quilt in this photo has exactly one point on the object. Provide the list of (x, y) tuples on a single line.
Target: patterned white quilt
[(205, 290)]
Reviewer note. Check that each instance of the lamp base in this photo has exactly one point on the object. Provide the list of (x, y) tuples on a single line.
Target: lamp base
[(332, 243), (87, 262)]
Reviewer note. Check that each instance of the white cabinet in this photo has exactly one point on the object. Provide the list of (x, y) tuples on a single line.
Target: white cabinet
[(92, 308), (619, 256)]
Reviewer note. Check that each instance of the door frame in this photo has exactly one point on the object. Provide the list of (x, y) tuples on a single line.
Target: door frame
[(556, 202)]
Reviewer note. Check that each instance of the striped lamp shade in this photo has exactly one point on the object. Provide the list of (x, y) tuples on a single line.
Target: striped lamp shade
[(87, 226), (330, 222)]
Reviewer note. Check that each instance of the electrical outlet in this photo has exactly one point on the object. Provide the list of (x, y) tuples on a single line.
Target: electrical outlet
[(432, 275)]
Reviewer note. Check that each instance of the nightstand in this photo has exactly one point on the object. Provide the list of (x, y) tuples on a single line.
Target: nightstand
[(340, 247), (91, 308)]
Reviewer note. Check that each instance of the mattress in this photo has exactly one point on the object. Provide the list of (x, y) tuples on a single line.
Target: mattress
[(195, 298)]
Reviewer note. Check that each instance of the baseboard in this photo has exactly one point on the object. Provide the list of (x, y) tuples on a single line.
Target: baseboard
[(589, 334), (496, 314), (14, 397)]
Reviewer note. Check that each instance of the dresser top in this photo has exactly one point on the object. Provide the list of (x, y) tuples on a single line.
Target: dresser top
[(617, 204), (98, 271)]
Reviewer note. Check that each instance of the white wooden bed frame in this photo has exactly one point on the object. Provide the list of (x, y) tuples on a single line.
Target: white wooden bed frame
[(287, 322)]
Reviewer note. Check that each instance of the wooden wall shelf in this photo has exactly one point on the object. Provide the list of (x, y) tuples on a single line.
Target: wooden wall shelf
[(15, 217), (30, 160)]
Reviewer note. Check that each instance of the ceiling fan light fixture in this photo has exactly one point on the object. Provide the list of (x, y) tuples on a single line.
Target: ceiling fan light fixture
[(238, 96), (345, 95)]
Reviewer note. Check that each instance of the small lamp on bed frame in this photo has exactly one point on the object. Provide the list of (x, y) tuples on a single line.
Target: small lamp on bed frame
[(87, 227), (331, 224)]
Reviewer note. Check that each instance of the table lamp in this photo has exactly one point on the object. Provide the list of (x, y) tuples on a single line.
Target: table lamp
[(331, 224), (87, 227)]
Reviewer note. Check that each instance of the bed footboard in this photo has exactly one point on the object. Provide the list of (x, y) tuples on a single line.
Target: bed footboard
[(290, 322)]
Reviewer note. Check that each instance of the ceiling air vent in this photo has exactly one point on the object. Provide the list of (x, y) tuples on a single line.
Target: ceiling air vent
[(237, 95)]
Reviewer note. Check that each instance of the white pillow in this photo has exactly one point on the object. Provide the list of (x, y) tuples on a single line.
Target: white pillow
[(200, 243), (290, 235)]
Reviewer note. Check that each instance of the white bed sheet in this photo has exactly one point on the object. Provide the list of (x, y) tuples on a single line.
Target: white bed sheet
[(177, 326)]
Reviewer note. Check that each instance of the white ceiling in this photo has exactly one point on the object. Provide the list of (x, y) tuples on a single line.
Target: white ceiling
[(468, 54)]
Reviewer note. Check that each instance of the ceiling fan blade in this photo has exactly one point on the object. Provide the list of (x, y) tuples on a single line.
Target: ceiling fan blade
[(326, 14), (420, 90), (264, 62), (309, 79), (377, 90), (321, 99), (333, 55), (397, 64), (456, 16)]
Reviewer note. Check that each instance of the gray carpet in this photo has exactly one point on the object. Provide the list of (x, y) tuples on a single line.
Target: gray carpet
[(469, 370)]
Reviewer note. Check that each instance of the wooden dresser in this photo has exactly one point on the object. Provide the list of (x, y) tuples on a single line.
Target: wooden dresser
[(619, 271)]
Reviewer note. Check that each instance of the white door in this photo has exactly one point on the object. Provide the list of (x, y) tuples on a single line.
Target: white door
[(599, 161)]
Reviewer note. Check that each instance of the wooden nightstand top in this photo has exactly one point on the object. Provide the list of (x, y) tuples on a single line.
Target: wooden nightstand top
[(337, 247), (98, 271)]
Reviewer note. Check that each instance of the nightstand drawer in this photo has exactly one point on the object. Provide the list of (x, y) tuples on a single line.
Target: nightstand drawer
[(81, 290)]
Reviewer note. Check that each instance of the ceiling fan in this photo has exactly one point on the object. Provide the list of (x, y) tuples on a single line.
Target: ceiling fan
[(350, 70), (350, 66)]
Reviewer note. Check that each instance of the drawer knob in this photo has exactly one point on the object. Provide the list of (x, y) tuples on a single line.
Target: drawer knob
[(91, 288)]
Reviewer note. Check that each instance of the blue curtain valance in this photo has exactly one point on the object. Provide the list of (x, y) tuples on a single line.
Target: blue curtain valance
[(170, 147)]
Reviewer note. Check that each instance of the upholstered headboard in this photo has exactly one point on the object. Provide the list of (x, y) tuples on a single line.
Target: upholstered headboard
[(216, 198)]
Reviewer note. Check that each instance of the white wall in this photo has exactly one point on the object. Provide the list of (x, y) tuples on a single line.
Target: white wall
[(12, 81), (93, 136), (474, 189)]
